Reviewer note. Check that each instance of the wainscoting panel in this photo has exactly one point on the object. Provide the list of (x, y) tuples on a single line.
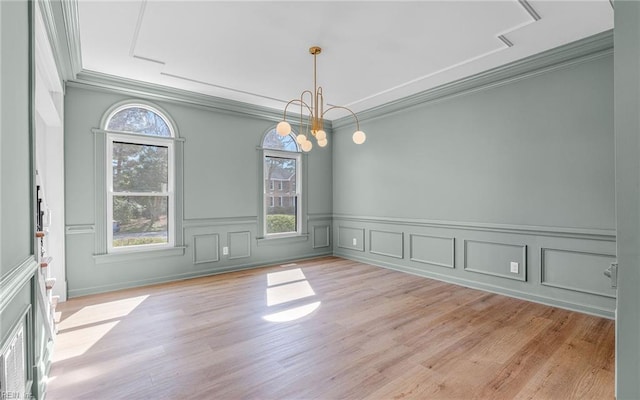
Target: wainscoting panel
[(576, 271), (492, 258), (239, 245), (480, 255), (351, 238), (434, 250), (321, 236), (205, 248), (390, 244)]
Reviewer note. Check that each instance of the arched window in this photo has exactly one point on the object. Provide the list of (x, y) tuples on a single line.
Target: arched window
[(281, 185), (140, 178), (141, 119)]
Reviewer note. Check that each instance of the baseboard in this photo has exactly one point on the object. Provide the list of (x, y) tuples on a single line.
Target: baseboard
[(599, 312), (72, 293)]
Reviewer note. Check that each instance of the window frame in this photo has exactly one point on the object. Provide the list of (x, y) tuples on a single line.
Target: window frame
[(149, 140)]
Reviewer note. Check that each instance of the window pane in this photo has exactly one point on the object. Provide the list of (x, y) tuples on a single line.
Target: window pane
[(281, 214), (140, 168), (274, 141), (139, 120), (140, 220)]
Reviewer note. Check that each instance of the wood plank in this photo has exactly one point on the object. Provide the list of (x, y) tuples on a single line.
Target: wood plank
[(377, 334)]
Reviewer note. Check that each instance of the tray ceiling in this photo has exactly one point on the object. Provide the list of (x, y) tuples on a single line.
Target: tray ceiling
[(373, 52)]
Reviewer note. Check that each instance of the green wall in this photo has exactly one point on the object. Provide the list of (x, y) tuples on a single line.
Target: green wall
[(519, 170), (16, 159), (220, 205), (627, 140), (18, 267)]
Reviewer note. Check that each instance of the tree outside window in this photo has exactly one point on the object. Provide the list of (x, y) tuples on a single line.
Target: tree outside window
[(139, 179)]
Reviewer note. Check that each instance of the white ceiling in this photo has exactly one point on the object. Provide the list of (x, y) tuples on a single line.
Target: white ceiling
[(373, 52)]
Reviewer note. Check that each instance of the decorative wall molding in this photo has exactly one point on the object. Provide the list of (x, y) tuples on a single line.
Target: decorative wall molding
[(377, 236), (592, 47), (551, 231), (203, 222), (282, 240), (321, 236), (319, 217), (607, 259), (450, 246), (484, 269), (349, 233), (519, 294), (13, 281), (205, 248), (99, 192), (239, 244)]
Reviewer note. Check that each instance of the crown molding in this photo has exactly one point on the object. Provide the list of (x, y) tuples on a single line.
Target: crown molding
[(72, 25), (63, 31), (67, 54), (99, 81), (592, 47), (48, 17)]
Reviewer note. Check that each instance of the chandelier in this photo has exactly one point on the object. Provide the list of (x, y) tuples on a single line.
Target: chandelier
[(312, 125)]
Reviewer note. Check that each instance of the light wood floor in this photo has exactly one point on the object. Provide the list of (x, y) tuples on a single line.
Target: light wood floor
[(375, 334)]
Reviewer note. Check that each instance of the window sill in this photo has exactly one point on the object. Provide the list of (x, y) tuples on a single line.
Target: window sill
[(138, 255), (270, 240)]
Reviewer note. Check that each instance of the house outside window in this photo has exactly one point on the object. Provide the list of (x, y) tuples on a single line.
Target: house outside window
[(140, 179), (281, 166)]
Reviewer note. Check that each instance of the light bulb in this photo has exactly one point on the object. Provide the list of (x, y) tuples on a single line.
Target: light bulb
[(320, 135), (359, 137), (283, 128), (306, 146), (301, 138), (323, 142)]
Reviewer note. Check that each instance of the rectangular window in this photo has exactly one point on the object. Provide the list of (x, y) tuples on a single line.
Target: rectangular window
[(139, 193), (270, 184), (284, 218), (272, 204)]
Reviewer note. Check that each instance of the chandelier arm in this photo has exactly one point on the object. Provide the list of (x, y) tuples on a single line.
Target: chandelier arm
[(320, 103), (296, 101), (309, 107), (344, 108)]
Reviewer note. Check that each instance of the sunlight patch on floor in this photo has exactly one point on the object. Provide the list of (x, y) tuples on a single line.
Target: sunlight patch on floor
[(290, 275), (287, 286), (288, 292), (292, 313), (76, 342), (101, 312)]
